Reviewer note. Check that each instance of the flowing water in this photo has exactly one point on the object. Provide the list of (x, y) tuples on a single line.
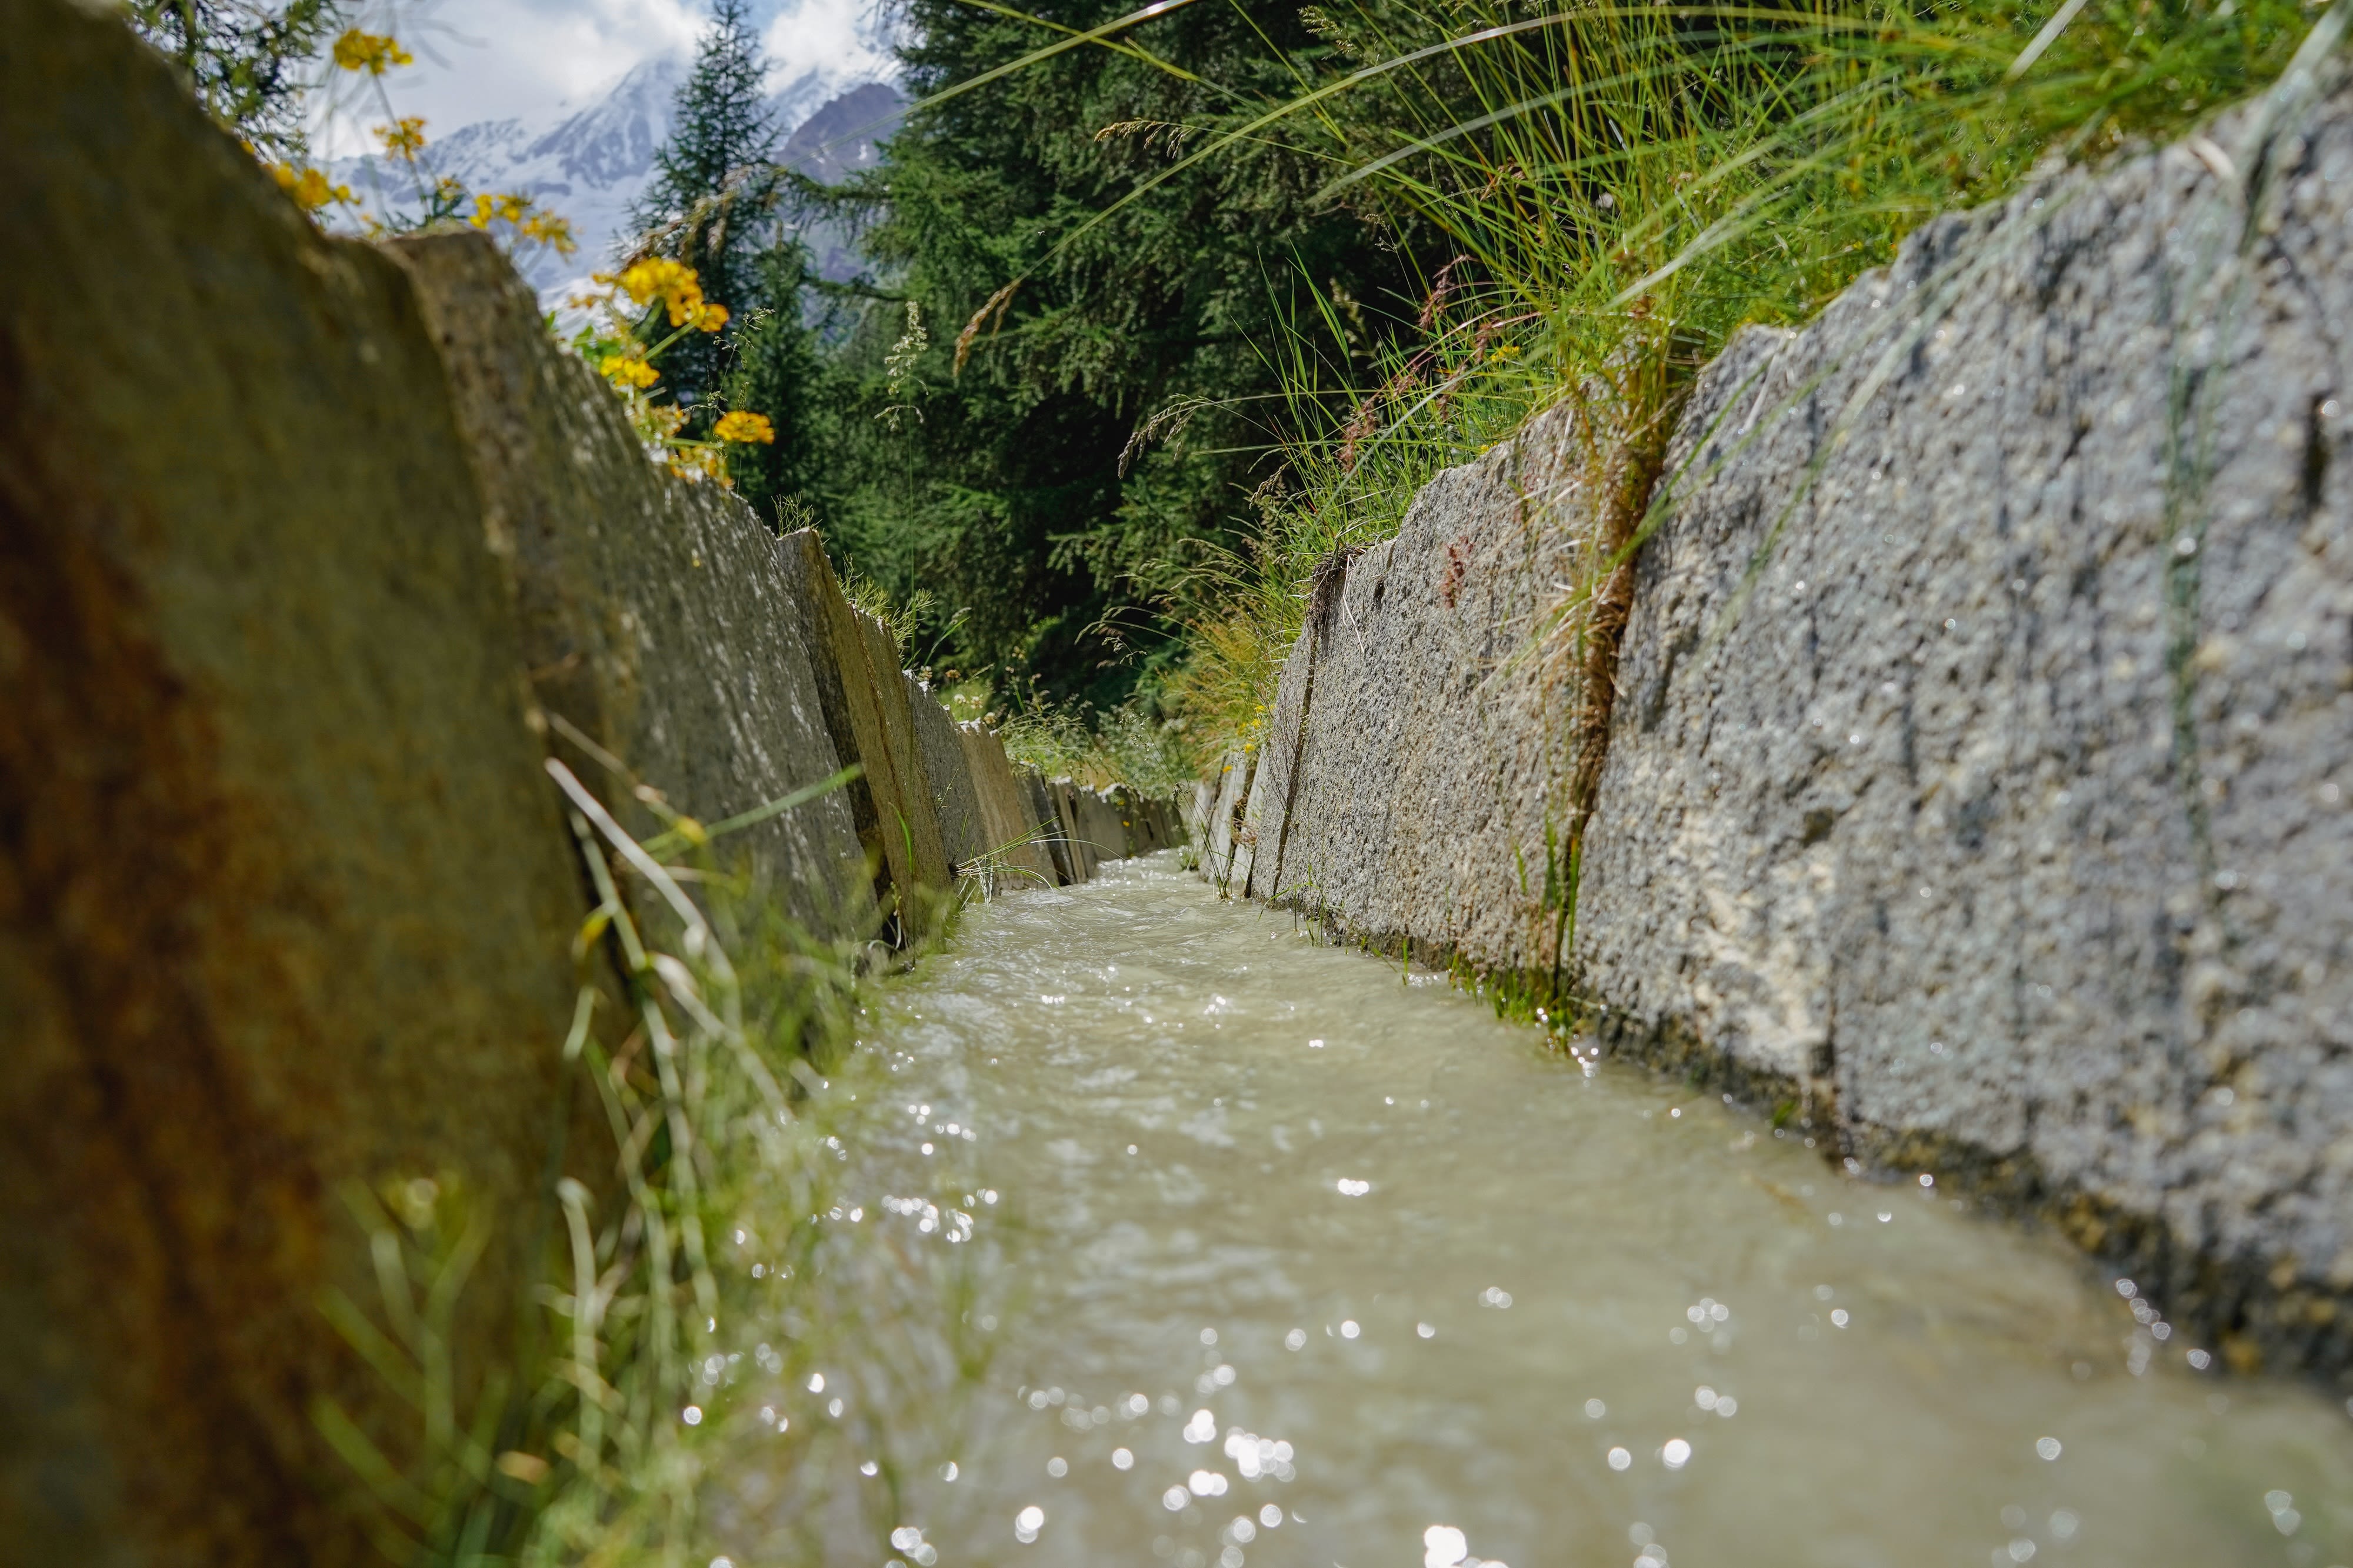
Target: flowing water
[(1301, 1260)]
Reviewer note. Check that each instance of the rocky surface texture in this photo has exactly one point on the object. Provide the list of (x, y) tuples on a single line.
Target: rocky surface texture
[(1229, 798), (1014, 857), (1076, 849), (918, 827), (655, 613), (947, 774), (1037, 795), (1150, 825), (1977, 763), (1100, 824), (286, 898), (888, 794), (1416, 783), (312, 553), (1980, 772)]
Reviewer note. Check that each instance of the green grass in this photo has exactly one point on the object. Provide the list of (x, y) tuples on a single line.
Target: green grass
[(1128, 745), (735, 1106), (1629, 186)]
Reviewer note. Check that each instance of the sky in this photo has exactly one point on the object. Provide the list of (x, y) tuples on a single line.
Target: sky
[(496, 60)]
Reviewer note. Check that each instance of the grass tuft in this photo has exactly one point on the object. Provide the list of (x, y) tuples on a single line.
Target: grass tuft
[(1625, 187), (686, 1309)]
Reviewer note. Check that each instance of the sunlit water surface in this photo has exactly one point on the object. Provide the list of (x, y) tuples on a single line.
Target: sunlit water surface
[(1302, 1261)]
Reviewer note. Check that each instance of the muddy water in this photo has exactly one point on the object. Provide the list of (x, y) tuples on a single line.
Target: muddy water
[(1300, 1261)]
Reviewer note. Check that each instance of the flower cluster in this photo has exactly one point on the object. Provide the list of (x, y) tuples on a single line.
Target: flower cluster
[(374, 53), (403, 138), (610, 342), (441, 199), (489, 208), (741, 425), (527, 219), (310, 188), (627, 366), (676, 286)]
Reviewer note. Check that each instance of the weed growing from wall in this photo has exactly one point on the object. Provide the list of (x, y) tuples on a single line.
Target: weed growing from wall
[(1129, 745), (717, 1322), (1626, 186)]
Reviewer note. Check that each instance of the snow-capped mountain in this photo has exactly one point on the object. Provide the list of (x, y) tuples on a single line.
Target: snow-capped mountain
[(592, 163), (840, 140)]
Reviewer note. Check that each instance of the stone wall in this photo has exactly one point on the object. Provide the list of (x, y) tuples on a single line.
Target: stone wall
[(286, 898), (1017, 857), (890, 807), (1995, 809), (1100, 825), (312, 553), (1975, 781), (1152, 825), (1045, 811), (1415, 788), (655, 615), (919, 826), (1230, 794), (947, 773), (1078, 849)]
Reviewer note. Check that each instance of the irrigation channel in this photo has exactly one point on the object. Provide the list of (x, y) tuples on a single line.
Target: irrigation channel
[(1303, 1261)]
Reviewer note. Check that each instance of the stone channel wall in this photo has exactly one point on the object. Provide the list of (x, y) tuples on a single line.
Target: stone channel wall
[(1424, 743), (313, 554), (1975, 785)]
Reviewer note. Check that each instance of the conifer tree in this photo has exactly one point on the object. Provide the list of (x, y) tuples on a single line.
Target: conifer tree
[(1114, 416), (243, 59), (778, 372), (696, 208)]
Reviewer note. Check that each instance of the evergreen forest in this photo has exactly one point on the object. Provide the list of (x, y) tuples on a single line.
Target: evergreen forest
[(1162, 308), (1166, 306)]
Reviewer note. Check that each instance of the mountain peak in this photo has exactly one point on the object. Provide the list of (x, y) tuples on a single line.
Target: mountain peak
[(844, 135), (590, 166)]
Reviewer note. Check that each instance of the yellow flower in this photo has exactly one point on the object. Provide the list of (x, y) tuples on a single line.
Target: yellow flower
[(403, 138), (309, 187), (742, 425), (550, 231), (695, 464), (657, 277), (529, 223), (628, 368), (675, 285), (490, 209), (373, 53)]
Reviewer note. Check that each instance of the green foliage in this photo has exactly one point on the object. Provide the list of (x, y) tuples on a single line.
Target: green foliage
[(711, 1285), (1624, 186), (246, 61), (778, 371), (1131, 744), (697, 209), (1168, 318), (1058, 452)]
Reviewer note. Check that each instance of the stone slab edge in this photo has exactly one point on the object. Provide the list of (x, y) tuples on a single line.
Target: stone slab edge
[(286, 898), (2196, 931), (654, 610)]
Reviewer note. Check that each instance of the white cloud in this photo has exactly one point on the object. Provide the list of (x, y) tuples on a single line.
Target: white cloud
[(840, 37), (499, 59)]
